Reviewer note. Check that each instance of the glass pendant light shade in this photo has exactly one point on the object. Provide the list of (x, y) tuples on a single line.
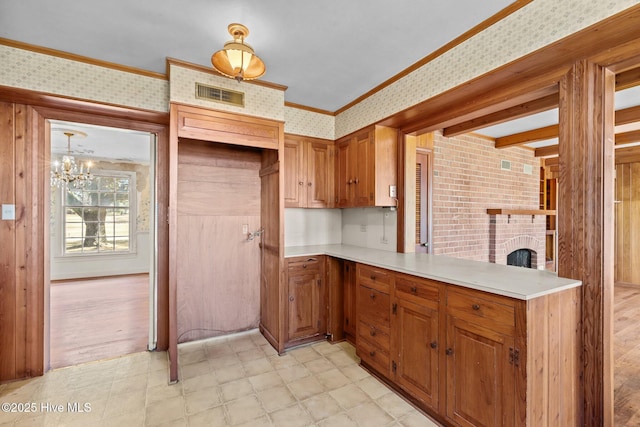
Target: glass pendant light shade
[(237, 59)]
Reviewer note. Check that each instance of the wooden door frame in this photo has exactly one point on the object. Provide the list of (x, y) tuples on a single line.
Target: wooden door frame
[(192, 122), (40, 109)]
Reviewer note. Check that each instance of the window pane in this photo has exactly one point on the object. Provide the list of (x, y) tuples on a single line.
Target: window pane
[(121, 215), (74, 198), (122, 200), (107, 199), (107, 183), (93, 184), (123, 185), (73, 215), (73, 245), (122, 243)]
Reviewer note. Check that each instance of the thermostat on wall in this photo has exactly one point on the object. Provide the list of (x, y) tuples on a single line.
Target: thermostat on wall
[(8, 212)]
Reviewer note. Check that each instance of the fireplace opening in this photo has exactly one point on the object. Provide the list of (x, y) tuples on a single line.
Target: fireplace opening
[(520, 258)]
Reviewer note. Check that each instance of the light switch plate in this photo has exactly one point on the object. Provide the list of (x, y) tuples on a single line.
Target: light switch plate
[(8, 212), (393, 191)]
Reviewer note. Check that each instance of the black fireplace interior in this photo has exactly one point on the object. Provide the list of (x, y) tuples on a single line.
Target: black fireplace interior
[(520, 258)]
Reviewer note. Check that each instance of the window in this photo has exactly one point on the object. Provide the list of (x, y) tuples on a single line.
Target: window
[(98, 218)]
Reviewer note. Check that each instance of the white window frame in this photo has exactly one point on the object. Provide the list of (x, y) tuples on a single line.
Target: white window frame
[(133, 215)]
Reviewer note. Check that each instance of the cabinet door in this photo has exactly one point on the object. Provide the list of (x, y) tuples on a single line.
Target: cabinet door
[(294, 179), (480, 375), (364, 171), (415, 346), (349, 324), (304, 319), (319, 172), (344, 175)]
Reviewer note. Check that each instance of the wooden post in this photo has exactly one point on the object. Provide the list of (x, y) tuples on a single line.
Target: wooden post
[(585, 226)]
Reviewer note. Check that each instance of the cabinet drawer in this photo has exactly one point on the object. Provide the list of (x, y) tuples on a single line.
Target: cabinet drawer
[(420, 291), (374, 277), (482, 309), (374, 356), (299, 265), (376, 335), (373, 305)]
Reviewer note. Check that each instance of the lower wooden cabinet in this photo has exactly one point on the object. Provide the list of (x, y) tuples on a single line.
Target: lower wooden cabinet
[(481, 359), (415, 341), (306, 310), (349, 307), (471, 358)]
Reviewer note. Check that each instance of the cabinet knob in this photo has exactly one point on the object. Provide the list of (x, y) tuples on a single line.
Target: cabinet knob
[(414, 289), (300, 183), (291, 298), (373, 296), (350, 182), (309, 184), (372, 353), (373, 332), (449, 351), (357, 181), (304, 265), (373, 277), (434, 345), (475, 307)]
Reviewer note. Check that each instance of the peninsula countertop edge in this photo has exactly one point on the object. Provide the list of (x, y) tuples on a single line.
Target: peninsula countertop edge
[(515, 282)]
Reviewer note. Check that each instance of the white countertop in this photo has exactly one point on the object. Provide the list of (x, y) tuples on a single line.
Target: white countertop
[(516, 282)]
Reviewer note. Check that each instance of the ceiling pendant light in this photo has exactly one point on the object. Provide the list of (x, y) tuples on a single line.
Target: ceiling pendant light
[(65, 172), (237, 59)]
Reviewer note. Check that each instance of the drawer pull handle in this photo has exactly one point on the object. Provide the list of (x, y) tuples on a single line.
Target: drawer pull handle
[(312, 259), (434, 345), (449, 351), (373, 332), (373, 296), (373, 277), (414, 289), (475, 307), (372, 353)]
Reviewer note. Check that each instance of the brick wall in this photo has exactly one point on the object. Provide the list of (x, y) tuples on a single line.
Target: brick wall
[(467, 181)]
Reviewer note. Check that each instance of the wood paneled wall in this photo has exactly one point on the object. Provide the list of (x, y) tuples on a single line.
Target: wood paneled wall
[(21, 262), (627, 208), (218, 268)]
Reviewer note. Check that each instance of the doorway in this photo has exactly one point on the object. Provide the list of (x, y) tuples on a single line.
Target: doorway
[(102, 251)]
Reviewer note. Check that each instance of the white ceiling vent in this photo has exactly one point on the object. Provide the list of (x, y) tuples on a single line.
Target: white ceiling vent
[(218, 94), (505, 165)]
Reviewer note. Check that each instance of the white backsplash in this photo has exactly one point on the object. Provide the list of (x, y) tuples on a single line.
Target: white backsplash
[(365, 227), (304, 227), (374, 228)]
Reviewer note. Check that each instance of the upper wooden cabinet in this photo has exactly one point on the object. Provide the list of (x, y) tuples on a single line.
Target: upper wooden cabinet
[(366, 167), (308, 172)]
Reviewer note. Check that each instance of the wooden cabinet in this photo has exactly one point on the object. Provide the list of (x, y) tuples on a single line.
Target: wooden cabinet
[(350, 295), (373, 317), (467, 357), (481, 359), (366, 166), (309, 172), (305, 313), (415, 337)]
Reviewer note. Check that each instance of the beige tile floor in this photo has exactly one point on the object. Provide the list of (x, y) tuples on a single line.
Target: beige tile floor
[(233, 381)]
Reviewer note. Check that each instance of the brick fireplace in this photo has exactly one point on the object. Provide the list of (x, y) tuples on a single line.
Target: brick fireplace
[(509, 232)]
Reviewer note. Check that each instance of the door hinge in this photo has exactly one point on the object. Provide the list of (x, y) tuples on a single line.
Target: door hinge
[(514, 356), (168, 214), (394, 367), (346, 321), (394, 308)]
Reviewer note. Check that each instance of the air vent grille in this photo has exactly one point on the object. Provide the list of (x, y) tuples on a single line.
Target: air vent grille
[(218, 94), (505, 165)]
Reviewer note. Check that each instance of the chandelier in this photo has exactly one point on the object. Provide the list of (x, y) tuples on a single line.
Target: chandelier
[(237, 59), (65, 172)]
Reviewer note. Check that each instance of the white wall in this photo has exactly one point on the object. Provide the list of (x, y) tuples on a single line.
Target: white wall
[(304, 227), (365, 227), (370, 228)]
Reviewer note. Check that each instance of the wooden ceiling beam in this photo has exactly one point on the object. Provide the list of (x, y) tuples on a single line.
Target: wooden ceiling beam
[(628, 137), (621, 139), (626, 116), (523, 110), (534, 135), (628, 79)]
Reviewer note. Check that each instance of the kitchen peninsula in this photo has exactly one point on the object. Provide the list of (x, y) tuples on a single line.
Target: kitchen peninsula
[(471, 343)]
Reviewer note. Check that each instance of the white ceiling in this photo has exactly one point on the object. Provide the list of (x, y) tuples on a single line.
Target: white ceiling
[(327, 52)]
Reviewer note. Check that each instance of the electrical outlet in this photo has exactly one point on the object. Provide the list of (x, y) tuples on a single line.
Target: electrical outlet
[(9, 212), (245, 228), (393, 191)]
